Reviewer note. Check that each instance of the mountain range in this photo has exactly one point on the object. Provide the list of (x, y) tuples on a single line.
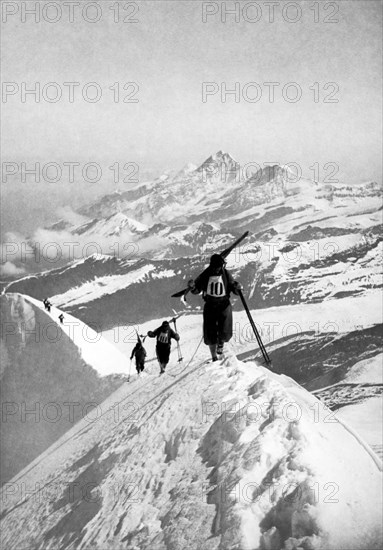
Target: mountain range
[(311, 269)]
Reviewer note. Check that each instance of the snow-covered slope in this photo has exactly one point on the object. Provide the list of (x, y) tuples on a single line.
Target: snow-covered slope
[(357, 399), (218, 456), (95, 350), (364, 417), (49, 374)]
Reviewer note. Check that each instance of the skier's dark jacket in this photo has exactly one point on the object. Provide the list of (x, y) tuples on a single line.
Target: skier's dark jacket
[(160, 332), (201, 283), (139, 352)]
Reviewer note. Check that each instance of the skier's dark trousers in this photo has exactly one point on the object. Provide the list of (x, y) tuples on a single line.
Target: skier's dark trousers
[(164, 334), (140, 354), (216, 284)]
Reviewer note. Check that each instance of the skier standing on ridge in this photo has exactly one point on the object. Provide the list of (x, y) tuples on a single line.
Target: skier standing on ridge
[(164, 334), (140, 354), (216, 283)]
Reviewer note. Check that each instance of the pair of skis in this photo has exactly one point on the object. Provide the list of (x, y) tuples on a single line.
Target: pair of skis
[(180, 358), (183, 293)]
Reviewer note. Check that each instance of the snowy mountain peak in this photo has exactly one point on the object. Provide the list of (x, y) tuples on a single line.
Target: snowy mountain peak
[(112, 225), (274, 174), (122, 221), (220, 157), (220, 165)]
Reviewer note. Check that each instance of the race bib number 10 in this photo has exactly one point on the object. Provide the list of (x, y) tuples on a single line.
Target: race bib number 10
[(215, 287)]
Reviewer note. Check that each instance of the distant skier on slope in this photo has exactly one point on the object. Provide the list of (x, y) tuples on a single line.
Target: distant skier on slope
[(164, 334), (216, 283), (139, 353), (61, 318)]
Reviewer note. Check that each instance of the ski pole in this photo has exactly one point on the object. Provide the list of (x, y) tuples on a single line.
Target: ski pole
[(180, 358), (130, 366), (257, 335)]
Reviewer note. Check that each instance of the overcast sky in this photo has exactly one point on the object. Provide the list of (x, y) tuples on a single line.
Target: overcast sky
[(169, 53)]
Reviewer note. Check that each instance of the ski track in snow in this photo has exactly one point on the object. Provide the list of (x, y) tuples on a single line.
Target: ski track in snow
[(218, 456)]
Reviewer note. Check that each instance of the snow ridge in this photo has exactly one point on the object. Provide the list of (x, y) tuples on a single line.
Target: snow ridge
[(95, 349), (223, 455)]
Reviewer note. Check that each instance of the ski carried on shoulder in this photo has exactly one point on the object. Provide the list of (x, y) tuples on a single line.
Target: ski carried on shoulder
[(176, 316), (223, 254), (174, 321), (182, 294)]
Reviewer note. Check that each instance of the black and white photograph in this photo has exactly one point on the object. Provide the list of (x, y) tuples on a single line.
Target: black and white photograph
[(191, 275)]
